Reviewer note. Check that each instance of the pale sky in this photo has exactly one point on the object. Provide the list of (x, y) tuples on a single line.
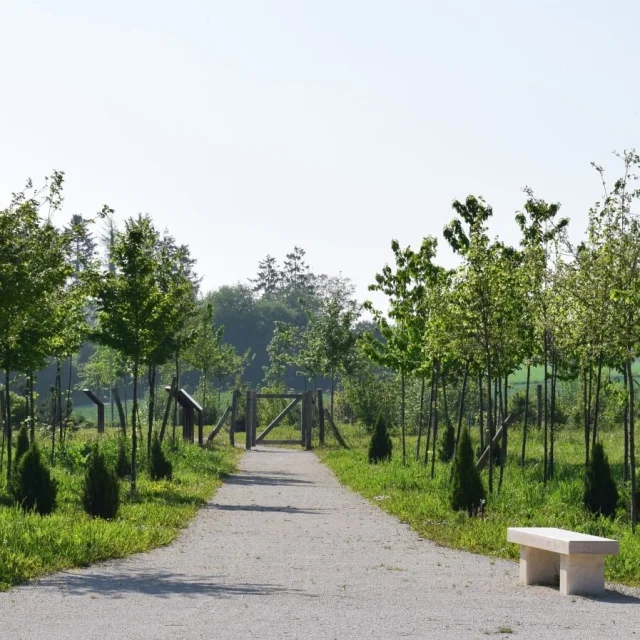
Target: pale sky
[(246, 127)]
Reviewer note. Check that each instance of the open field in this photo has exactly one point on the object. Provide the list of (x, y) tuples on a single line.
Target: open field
[(32, 545), (408, 493)]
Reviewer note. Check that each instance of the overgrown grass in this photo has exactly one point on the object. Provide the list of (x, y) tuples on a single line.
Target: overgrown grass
[(409, 493), (32, 545)]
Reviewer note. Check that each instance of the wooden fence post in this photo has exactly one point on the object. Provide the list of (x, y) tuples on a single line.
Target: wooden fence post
[(308, 421), (320, 416), (234, 411), (254, 417), (201, 428), (247, 422)]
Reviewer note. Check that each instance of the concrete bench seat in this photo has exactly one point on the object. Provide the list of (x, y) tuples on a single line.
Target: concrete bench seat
[(578, 558)]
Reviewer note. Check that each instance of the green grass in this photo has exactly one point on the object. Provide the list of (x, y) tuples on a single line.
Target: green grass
[(519, 378), (409, 493), (33, 545)]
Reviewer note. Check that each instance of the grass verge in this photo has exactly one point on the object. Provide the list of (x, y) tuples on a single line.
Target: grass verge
[(409, 493), (33, 545)]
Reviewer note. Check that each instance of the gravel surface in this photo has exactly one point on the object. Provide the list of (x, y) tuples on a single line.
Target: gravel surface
[(283, 551)]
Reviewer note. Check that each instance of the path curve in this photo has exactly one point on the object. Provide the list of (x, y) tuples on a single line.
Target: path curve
[(283, 551)]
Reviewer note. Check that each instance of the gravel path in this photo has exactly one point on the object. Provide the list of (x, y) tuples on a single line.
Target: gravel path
[(283, 551)]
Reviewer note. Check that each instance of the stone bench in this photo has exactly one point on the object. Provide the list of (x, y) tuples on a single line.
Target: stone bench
[(578, 558)]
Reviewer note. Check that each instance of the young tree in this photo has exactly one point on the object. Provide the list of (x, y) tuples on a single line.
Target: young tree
[(204, 353), (331, 340), (33, 270), (139, 304)]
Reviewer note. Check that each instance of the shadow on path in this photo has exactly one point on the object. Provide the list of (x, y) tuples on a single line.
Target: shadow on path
[(160, 584), (258, 507), (266, 480)]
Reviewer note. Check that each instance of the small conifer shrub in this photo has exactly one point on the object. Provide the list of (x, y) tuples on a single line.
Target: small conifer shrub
[(159, 466), (22, 446), (123, 462), (381, 446), (33, 487), (101, 492), (467, 491), (600, 491), (447, 444)]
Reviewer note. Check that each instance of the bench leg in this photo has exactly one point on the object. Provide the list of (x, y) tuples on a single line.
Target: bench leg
[(538, 566), (582, 574)]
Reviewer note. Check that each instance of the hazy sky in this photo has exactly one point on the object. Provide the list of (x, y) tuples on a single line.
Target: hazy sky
[(246, 127)]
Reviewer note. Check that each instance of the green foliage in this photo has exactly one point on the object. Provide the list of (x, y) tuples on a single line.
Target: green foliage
[(101, 491), (447, 444), (381, 447), (600, 491), (123, 462), (467, 491), (33, 487), (160, 467)]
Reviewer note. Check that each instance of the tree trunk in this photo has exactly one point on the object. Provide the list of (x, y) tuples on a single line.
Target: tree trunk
[(126, 408), (134, 429), (54, 425), (175, 408), (589, 405), (68, 407), (332, 390), (435, 421), (420, 420), (497, 401), (632, 449), (505, 434), (526, 418), (625, 467), (490, 422), (585, 412), (151, 407), (546, 423), (552, 430), (59, 397), (429, 422), (204, 396), (596, 409), (444, 399), (402, 416), (7, 404), (32, 409), (481, 398), (461, 407)]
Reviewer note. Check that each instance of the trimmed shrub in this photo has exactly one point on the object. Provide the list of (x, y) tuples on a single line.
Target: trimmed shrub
[(159, 466), (101, 495), (600, 491), (123, 461), (381, 446), (467, 491), (33, 487), (447, 444)]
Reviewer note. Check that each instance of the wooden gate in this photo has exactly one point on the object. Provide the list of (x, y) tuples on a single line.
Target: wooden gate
[(252, 438)]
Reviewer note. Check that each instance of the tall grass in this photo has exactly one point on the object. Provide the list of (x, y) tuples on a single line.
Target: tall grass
[(32, 545), (408, 493)]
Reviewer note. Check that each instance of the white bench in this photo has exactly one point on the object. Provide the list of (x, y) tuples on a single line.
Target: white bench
[(578, 558)]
